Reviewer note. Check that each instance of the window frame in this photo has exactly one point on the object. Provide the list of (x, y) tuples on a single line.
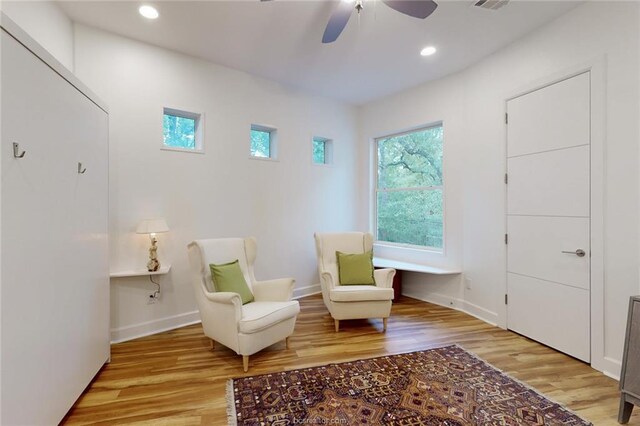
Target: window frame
[(328, 151), (273, 142), (374, 203), (198, 117)]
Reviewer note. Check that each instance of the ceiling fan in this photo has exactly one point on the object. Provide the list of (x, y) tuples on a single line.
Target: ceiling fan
[(343, 11), (340, 16)]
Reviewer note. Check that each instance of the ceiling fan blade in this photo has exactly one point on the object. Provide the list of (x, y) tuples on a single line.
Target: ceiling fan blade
[(416, 8), (338, 21)]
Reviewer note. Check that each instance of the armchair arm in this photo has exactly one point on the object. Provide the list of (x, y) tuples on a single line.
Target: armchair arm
[(326, 280), (384, 277), (225, 305), (226, 297), (278, 290)]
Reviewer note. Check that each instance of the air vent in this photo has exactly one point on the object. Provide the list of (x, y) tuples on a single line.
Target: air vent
[(491, 4)]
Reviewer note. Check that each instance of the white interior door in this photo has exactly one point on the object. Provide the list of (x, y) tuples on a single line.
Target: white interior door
[(548, 215)]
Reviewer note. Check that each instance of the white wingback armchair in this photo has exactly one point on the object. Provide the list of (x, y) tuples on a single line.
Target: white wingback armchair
[(247, 328), (352, 301)]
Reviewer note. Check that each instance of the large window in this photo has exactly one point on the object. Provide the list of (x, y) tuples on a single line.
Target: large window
[(409, 208)]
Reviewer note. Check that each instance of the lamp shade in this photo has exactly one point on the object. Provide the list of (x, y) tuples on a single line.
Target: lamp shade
[(152, 226)]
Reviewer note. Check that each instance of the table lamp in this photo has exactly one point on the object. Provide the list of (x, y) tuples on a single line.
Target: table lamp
[(152, 227)]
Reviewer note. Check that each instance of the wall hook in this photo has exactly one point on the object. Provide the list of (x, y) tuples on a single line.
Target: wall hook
[(81, 169), (16, 151)]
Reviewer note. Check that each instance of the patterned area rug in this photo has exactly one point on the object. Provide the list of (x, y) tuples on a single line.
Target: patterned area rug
[(446, 386)]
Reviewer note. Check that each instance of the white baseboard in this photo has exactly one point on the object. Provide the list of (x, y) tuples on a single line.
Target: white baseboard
[(148, 328), (457, 304), (306, 291), (480, 313), (611, 367), (435, 298)]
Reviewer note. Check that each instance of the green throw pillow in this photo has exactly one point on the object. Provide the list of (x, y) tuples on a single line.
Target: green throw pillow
[(355, 269), (228, 277)]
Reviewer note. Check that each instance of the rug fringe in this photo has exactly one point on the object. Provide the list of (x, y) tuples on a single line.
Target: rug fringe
[(232, 419)]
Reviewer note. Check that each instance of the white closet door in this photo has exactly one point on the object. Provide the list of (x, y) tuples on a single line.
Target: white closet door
[(54, 312), (89, 213)]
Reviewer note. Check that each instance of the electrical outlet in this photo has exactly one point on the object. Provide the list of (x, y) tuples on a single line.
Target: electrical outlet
[(467, 283), (152, 299)]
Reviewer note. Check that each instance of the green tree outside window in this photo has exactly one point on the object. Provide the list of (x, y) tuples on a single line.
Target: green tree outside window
[(409, 192), (260, 143), (319, 148), (179, 132)]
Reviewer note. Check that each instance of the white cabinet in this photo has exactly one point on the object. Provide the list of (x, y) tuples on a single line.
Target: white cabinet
[(54, 253)]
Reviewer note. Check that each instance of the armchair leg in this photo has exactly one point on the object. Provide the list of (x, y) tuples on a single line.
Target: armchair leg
[(213, 344), (336, 323), (384, 324), (245, 363), (286, 342)]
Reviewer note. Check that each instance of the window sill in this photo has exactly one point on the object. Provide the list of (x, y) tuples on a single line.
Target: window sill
[(191, 151), (275, 160)]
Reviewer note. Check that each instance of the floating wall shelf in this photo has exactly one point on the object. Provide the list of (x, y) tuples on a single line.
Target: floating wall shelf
[(140, 272)]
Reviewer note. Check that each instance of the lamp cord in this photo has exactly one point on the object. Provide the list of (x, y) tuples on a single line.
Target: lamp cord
[(157, 292)]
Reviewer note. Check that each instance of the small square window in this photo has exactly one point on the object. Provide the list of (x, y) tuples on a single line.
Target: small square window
[(263, 142), (321, 150), (182, 131), (260, 143)]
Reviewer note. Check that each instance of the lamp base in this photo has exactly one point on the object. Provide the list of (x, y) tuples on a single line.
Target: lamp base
[(153, 264)]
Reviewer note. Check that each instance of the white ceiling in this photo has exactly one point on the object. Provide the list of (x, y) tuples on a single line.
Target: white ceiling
[(375, 56)]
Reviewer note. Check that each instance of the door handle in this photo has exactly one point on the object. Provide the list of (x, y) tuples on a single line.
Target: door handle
[(579, 252)]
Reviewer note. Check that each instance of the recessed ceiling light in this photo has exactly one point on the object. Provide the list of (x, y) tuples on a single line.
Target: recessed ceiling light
[(428, 51), (148, 12)]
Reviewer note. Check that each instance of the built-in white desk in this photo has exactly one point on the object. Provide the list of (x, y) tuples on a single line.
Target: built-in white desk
[(413, 267), (400, 266)]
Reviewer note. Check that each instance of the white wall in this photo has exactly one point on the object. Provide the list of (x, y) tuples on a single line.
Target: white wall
[(222, 193), (472, 106), (47, 24)]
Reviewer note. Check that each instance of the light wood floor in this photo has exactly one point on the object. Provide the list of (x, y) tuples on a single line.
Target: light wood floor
[(174, 377)]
